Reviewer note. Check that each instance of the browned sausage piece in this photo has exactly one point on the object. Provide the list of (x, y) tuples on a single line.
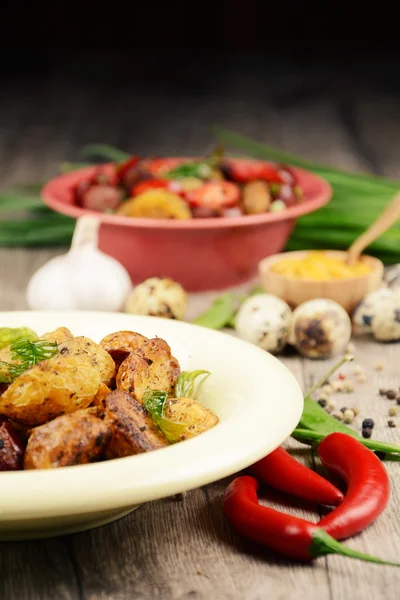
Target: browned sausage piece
[(150, 367), (11, 448), (73, 439), (121, 343), (256, 197), (134, 430)]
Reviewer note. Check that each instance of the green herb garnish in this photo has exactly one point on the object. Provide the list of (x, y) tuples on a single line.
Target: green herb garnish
[(28, 353), (154, 401), (186, 383), (199, 169)]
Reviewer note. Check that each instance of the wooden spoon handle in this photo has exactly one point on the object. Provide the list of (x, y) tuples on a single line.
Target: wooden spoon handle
[(384, 221)]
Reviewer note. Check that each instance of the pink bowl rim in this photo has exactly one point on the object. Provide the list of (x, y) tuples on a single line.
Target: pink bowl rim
[(54, 186)]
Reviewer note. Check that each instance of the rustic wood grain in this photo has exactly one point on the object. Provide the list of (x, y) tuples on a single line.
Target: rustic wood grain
[(184, 549)]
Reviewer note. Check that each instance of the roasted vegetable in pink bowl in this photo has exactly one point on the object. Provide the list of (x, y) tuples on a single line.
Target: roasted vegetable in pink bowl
[(184, 188)]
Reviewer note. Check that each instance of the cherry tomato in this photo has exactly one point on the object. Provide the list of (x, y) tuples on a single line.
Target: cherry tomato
[(215, 195), (244, 170), (150, 184)]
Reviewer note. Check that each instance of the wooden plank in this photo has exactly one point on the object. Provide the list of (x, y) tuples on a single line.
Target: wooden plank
[(38, 571), (382, 538)]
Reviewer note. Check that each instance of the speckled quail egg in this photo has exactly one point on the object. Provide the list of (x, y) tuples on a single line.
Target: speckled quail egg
[(158, 297), (264, 320), (377, 314), (392, 277), (321, 328)]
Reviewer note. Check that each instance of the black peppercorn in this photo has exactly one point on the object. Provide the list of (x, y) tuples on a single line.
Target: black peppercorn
[(391, 394), (382, 392), (322, 402), (368, 424), (366, 433), (391, 423)]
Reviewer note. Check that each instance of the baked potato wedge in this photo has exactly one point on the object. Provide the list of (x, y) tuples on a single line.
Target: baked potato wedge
[(59, 335), (99, 400), (134, 431), (197, 417), (62, 384), (74, 439), (121, 343), (150, 367)]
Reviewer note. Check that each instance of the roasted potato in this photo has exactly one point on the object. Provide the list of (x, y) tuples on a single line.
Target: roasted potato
[(59, 335), (152, 366), (121, 343), (74, 439), (59, 385), (99, 401), (186, 410), (134, 431)]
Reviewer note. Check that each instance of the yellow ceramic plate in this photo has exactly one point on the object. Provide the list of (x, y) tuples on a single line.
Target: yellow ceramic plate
[(257, 399)]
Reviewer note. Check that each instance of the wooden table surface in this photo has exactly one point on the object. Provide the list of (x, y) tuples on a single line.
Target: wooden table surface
[(184, 549)]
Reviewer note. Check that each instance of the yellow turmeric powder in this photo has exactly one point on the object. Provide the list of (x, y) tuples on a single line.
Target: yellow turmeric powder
[(320, 266)]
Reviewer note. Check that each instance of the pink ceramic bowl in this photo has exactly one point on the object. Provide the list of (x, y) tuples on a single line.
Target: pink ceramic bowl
[(202, 254)]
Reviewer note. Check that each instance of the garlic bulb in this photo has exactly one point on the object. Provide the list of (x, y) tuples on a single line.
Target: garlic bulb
[(83, 279)]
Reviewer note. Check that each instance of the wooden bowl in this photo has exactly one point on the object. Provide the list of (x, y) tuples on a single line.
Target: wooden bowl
[(346, 292)]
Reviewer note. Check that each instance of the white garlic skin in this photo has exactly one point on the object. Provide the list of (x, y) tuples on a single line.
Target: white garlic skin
[(374, 303), (321, 328), (49, 288), (264, 320), (82, 279), (158, 297)]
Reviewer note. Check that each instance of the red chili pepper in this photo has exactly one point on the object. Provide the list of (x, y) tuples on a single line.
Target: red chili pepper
[(244, 170), (291, 536), (283, 472), (150, 184), (367, 480), (215, 195)]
